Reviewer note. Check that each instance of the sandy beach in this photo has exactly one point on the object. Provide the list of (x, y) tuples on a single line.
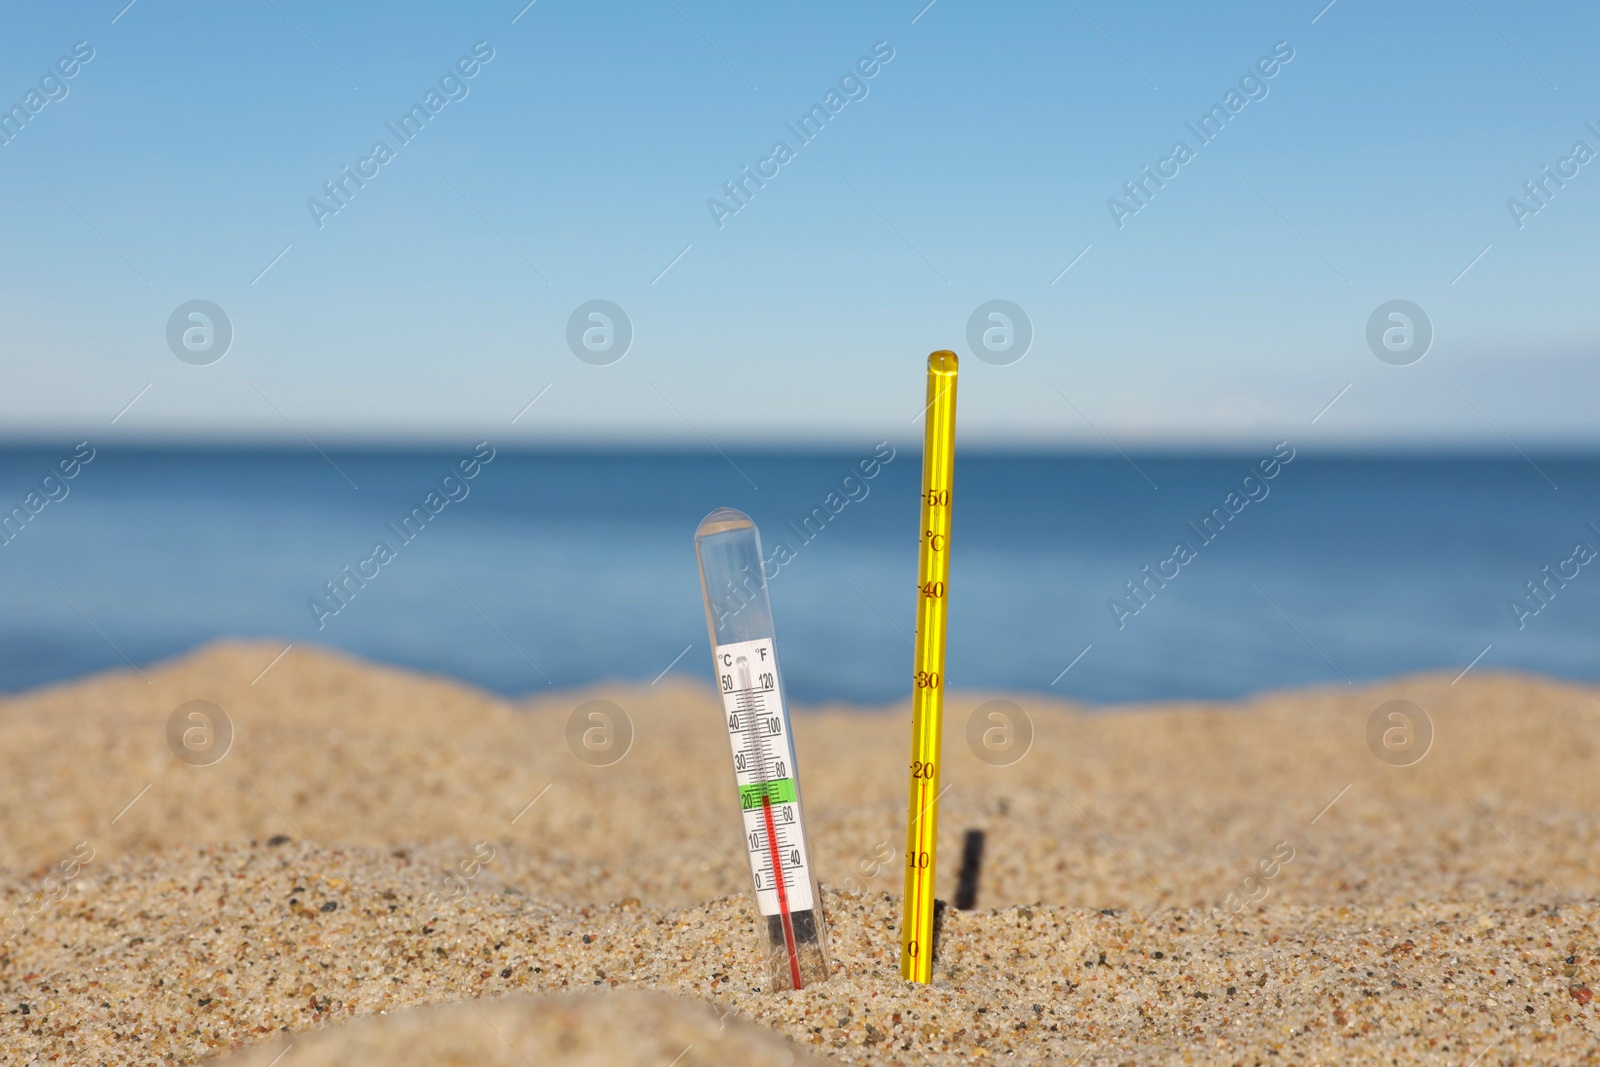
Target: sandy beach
[(385, 867)]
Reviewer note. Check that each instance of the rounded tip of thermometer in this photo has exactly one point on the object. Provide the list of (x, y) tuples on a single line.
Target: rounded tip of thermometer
[(721, 521), (943, 362), (745, 662)]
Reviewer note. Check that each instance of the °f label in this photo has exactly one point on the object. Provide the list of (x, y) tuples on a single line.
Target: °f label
[(763, 767)]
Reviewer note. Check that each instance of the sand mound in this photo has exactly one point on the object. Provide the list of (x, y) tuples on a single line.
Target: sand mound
[(172, 958), (1260, 878), (589, 1030)]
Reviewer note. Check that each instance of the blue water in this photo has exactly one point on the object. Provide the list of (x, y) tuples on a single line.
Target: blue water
[(561, 569)]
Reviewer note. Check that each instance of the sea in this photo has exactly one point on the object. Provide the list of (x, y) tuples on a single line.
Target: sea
[(1103, 578)]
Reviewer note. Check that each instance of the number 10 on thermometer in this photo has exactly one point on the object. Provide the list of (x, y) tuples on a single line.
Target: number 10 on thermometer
[(745, 659)]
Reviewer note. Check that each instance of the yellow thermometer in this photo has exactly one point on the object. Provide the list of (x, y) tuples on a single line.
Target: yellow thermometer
[(927, 698)]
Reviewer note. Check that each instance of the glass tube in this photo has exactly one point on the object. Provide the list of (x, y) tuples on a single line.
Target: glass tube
[(756, 717)]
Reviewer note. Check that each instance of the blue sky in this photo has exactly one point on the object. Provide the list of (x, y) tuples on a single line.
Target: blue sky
[(1230, 308)]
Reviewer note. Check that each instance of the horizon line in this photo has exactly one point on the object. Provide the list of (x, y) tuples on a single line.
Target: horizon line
[(1430, 448)]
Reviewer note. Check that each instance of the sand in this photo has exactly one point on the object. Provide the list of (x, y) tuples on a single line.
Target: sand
[(1247, 883)]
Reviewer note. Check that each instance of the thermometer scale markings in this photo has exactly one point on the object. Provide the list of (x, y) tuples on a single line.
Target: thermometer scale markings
[(755, 731), (927, 695), (792, 929)]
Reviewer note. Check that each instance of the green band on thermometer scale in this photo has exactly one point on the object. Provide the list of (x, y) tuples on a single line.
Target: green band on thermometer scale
[(779, 791)]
